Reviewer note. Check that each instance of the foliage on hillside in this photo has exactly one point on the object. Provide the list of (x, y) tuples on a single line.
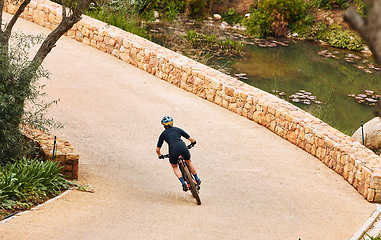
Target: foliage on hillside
[(267, 17)]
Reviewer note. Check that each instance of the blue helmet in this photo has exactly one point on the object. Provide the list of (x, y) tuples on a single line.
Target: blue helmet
[(167, 120)]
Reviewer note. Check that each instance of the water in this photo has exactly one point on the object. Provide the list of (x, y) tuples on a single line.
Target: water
[(296, 67), (300, 67)]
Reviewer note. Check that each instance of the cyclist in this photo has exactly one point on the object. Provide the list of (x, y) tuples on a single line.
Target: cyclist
[(172, 135)]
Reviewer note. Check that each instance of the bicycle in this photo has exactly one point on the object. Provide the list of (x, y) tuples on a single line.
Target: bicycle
[(188, 177)]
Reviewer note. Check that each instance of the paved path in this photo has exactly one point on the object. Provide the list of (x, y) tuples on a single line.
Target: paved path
[(255, 184)]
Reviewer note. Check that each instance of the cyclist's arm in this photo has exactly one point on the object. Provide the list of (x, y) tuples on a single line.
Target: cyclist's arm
[(158, 151), (191, 140)]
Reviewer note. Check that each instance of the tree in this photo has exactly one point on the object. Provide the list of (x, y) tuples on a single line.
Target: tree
[(16, 82), (369, 28)]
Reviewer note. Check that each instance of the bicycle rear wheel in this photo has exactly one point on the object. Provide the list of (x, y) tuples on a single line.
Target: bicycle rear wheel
[(193, 188)]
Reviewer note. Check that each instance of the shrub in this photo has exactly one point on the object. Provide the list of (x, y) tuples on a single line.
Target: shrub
[(120, 14), (27, 180), (275, 17), (198, 8), (167, 9), (231, 16), (340, 38)]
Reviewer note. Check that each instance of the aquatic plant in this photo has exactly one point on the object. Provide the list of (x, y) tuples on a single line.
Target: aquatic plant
[(227, 45)]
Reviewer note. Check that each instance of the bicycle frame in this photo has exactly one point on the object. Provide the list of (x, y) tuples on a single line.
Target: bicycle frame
[(182, 165), (188, 176)]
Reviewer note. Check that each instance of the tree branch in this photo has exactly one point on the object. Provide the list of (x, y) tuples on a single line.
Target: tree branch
[(1, 15), (369, 28), (12, 22), (66, 24), (354, 20), (63, 9)]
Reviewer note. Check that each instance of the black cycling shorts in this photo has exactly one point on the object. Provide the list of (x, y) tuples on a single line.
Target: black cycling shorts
[(178, 150)]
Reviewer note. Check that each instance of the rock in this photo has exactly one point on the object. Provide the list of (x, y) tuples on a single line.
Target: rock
[(247, 15), (372, 133), (217, 17), (224, 25), (156, 15)]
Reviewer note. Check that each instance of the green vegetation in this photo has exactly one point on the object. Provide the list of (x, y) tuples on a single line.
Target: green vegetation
[(20, 103), (275, 17), (167, 9), (231, 16), (337, 37), (282, 17), (268, 17), (29, 182), (120, 14), (329, 4), (227, 45), (372, 238)]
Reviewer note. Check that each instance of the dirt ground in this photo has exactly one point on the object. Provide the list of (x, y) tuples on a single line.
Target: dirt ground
[(255, 184)]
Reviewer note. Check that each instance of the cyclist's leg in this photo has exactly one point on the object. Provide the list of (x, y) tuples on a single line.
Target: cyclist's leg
[(191, 166), (178, 174), (176, 170), (193, 170)]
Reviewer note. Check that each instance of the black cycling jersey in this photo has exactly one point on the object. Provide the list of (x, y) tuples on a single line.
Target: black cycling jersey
[(177, 147)]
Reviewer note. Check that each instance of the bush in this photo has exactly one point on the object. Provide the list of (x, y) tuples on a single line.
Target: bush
[(340, 38), (231, 16), (198, 8), (120, 14), (27, 180), (167, 9), (275, 17)]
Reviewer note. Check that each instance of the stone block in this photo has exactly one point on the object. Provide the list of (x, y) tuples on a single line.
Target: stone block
[(72, 157), (60, 158), (291, 137), (75, 170), (229, 91), (39, 17), (78, 36), (371, 195), (86, 41), (68, 168)]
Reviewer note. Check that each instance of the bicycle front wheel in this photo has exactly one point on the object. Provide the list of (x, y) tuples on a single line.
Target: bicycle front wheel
[(193, 188)]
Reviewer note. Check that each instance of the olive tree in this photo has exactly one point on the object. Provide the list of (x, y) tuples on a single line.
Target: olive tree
[(369, 28), (18, 74)]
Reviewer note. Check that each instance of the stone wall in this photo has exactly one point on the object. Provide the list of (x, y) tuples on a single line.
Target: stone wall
[(64, 154), (358, 165)]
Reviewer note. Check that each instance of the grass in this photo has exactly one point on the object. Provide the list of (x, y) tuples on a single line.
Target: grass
[(372, 238)]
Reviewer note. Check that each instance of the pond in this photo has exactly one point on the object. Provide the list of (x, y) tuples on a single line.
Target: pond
[(315, 78), (323, 75)]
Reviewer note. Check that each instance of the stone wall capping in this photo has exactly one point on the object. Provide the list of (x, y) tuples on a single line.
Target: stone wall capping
[(357, 164)]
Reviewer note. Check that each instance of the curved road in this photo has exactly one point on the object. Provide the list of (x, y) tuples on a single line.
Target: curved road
[(255, 184)]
